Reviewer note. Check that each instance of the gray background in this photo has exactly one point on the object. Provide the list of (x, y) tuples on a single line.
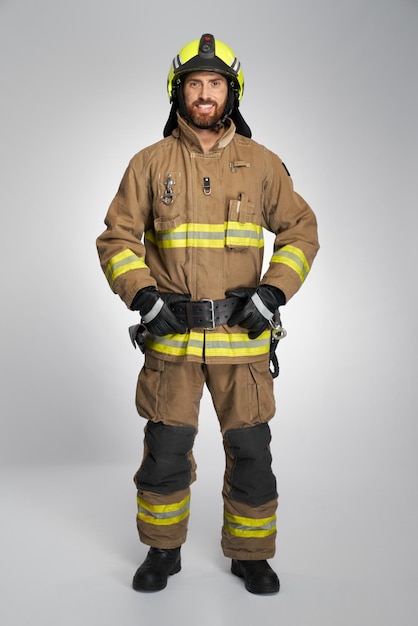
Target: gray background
[(331, 87)]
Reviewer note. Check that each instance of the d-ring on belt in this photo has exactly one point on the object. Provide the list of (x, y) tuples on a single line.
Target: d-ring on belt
[(204, 313)]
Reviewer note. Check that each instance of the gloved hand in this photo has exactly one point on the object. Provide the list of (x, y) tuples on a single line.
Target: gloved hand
[(154, 308), (258, 308)]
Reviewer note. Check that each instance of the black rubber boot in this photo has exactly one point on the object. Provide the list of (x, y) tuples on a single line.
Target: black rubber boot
[(152, 575), (258, 576)]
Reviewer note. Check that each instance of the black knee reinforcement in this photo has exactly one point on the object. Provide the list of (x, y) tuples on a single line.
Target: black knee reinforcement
[(252, 479), (166, 467)]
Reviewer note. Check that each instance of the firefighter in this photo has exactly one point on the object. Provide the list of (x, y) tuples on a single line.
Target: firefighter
[(183, 246)]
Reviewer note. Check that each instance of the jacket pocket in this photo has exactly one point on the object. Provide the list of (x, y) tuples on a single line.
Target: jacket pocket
[(165, 231), (241, 224), (166, 223)]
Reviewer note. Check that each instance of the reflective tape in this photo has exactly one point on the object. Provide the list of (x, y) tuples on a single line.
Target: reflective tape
[(208, 235), (152, 314), (163, 514), (294, 258), (190, 344), (248, 526), (211, 344), (236, 344), (123, 262), (259, 304), (240, 234)]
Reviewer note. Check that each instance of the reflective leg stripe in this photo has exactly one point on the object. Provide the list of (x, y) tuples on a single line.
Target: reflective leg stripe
[(248, 526), (163, 514), (294, 258)]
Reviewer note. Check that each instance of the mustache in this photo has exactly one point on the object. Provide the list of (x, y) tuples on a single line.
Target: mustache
[(202, 101)]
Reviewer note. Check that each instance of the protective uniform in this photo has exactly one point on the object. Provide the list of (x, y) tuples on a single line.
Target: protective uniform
[(189, 222)]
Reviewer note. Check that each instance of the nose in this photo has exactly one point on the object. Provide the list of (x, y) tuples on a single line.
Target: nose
[(204, 91)]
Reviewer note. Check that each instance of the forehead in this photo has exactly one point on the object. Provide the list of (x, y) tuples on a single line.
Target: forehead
[(204, 76)]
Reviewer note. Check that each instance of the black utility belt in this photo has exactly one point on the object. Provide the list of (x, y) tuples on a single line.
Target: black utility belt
[(205, 313)]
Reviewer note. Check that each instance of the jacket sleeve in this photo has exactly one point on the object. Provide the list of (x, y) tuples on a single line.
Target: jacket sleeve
[(120, 247), (294, 224)]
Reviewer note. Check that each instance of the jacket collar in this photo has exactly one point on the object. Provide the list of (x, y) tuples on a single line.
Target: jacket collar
[(190, 137)]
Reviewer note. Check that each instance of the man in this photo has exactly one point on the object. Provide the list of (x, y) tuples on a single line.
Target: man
[(184, 247)]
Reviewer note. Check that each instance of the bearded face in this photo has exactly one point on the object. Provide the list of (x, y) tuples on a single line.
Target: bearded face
[(205, 96)]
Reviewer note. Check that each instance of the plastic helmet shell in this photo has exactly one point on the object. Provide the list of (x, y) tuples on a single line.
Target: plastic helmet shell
[(206, 54)]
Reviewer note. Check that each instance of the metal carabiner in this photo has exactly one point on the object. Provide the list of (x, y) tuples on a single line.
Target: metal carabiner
[(277, 332), (168, 197)]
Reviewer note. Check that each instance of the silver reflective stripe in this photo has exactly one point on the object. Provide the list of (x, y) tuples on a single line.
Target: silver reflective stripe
[(164, 514), (235, 65), (154, 311), (267, 526), (232, 344), (176, 62), (294, 258), (265, 312)]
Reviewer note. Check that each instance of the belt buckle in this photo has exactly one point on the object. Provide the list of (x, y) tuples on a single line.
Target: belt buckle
[(212, 313)]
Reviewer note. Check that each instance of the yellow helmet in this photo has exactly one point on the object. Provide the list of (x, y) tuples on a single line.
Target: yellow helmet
[(206, 54), (210, 55)]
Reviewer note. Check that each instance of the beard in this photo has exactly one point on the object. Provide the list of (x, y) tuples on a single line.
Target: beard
[(203, 120)]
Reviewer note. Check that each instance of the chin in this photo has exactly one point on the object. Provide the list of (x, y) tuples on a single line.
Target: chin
[(199, 123)]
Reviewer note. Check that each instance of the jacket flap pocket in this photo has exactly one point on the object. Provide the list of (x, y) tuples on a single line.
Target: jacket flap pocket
[(163, 223)]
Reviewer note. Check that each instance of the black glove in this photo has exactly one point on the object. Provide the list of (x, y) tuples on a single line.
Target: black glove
[(257, 309), (154, 308)]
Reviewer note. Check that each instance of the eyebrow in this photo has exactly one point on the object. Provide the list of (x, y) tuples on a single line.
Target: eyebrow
[(199, 80)]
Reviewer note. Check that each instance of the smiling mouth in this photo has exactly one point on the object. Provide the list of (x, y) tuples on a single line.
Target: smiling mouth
[(204, 107)]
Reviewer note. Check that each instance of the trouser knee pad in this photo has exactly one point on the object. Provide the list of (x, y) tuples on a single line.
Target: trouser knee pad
[(251, 477), (166, 467)]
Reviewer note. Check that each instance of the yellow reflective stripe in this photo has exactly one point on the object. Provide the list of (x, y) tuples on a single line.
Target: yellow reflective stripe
[(208, 235), (189, 236), (178, 345), (236, 344), (248, 526), (121, 263), (236, 532), (212, 344), (294, 258), (162, 522), (163, 514), (163, 508), (250, 521), (248, 234)]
